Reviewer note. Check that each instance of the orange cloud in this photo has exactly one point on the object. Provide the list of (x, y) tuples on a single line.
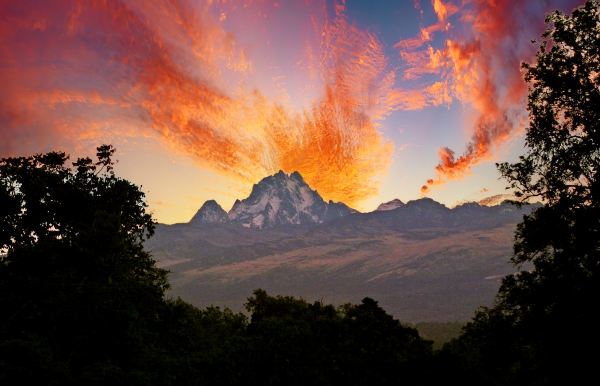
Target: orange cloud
[(425, 36), (103, 69), (482, 70), (73, 70), (443, 10)]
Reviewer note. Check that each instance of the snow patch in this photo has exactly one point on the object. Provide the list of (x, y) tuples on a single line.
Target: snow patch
[(258, 221), (306, 197), (282, 199), (390, 205)]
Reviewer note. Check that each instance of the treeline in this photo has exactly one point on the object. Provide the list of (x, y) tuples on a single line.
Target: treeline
[(82, 302)]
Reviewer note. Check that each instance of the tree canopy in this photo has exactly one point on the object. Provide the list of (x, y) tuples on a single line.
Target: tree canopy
[(544, 318), (77, 289), (84, 303)]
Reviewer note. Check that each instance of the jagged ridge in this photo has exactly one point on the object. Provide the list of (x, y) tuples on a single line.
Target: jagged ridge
[(210, 213), (279, 199), (390, 205)]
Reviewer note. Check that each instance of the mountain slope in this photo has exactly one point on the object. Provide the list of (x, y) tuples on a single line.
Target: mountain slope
[(210, 213), (423, 261), (422, 276), (284, 199)]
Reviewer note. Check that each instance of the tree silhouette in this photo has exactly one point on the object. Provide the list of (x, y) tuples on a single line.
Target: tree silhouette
[(293, 342), (78, 293), (544, 318), (84, 304)]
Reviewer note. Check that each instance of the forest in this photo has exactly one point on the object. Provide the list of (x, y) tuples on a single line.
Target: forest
[(83, 303)]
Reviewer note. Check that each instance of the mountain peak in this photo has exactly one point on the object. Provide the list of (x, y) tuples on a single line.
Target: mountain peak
[(209, 213), (390, 205), (426, 203), (296, 176), (284, 199)]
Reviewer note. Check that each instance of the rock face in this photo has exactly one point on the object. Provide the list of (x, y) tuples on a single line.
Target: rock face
[(422, 261), (390, 205), (284, 199), (210, 213)]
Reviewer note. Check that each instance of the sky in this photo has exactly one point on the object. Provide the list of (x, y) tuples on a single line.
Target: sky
[(368, 100)]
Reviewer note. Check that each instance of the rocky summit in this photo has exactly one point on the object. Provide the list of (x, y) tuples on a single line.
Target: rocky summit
[(390, 205), (280, 199), (422, 260), (210, 213)]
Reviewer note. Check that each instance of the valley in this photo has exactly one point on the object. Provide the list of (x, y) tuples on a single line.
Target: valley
[(421, 260)]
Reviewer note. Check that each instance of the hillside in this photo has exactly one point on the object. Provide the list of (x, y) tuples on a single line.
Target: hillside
[(422, 260)]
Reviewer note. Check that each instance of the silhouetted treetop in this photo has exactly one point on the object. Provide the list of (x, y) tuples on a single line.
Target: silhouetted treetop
[(43, 198), (563, 138), (80, 297), (544, 323)]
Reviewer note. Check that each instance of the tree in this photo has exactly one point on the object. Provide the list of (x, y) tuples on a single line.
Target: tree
[(293, 342), (78, 293), (84, 304), (544, 320)]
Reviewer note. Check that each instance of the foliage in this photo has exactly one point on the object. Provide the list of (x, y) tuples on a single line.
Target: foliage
[(293, 342), (77, 290), (544, 317), (84, 303)]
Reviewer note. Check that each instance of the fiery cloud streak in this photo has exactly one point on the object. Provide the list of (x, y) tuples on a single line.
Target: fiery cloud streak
[(174, 69), (481, 69), (108, 68)]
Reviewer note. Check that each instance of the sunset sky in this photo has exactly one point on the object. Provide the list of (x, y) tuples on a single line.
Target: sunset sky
[(368, 100)]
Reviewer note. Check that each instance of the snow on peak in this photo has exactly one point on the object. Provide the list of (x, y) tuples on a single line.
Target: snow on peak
[(390, 205), (283, 199)]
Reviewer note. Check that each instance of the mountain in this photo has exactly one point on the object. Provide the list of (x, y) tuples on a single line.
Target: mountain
[(390, 205), (210, 213), (422, 261), (283, 199)]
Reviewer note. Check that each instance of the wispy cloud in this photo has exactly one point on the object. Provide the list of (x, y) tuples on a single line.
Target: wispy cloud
[(478, 65), (176, 70), (82, 69)]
